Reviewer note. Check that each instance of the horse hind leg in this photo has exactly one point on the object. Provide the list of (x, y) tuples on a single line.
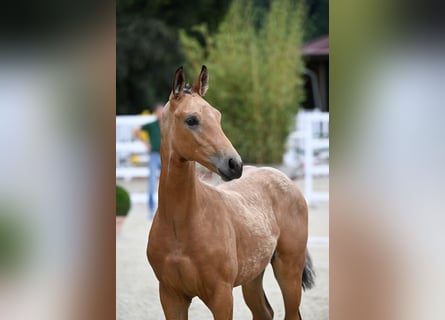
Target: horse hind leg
[(288, 270), (256, 299)]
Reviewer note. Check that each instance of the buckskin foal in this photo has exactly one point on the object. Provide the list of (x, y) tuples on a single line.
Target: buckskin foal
[(206, 239)]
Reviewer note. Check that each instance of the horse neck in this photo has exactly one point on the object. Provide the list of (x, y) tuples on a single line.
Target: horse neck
[(177, 187)]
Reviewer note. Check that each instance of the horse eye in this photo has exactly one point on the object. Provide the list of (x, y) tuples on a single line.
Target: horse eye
[(192, 121)]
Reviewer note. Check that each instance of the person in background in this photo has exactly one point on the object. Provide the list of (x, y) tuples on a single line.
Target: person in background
[(154, 149)]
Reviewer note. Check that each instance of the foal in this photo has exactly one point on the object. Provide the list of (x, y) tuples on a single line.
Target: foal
[(205, 240)]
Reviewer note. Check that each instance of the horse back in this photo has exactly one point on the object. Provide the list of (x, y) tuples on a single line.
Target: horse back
[(271, 189)]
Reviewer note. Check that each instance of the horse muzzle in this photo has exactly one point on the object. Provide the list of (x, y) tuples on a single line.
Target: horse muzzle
[(229, 168)]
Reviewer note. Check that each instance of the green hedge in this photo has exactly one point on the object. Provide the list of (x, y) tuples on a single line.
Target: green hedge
[(123, 202)]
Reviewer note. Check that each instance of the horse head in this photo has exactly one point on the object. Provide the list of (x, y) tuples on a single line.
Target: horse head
[(191, 128)]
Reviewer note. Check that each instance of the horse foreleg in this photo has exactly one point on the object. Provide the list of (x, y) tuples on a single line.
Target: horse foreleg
[(175, 305), (220, 302), (256, 299)]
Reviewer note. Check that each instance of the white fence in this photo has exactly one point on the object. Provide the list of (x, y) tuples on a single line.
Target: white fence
[(129, 148), (314, 145), (308, 151)]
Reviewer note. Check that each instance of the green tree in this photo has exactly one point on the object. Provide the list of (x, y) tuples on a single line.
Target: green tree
[(255, 71), (148, 49), (317, 19), (147, 52)]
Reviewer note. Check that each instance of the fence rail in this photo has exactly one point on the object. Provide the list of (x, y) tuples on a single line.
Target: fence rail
[(128, 148), (314, 143)]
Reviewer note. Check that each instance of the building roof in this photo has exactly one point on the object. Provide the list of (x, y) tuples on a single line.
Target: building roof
[(317, 47)]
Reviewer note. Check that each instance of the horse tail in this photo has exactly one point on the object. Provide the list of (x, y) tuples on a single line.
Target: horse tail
[(308, 273)]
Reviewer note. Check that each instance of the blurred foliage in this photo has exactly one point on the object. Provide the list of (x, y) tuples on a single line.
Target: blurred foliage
[(255, 74), (15, 239), (123, 201), (146, 51), (148, 47), (317, 19)]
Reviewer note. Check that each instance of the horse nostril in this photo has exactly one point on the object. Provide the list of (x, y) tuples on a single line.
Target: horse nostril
[(231, 169), (235, 165), (232, 164)]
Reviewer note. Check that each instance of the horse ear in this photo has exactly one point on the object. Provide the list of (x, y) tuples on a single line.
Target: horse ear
[(179, 83), (201, 84)]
